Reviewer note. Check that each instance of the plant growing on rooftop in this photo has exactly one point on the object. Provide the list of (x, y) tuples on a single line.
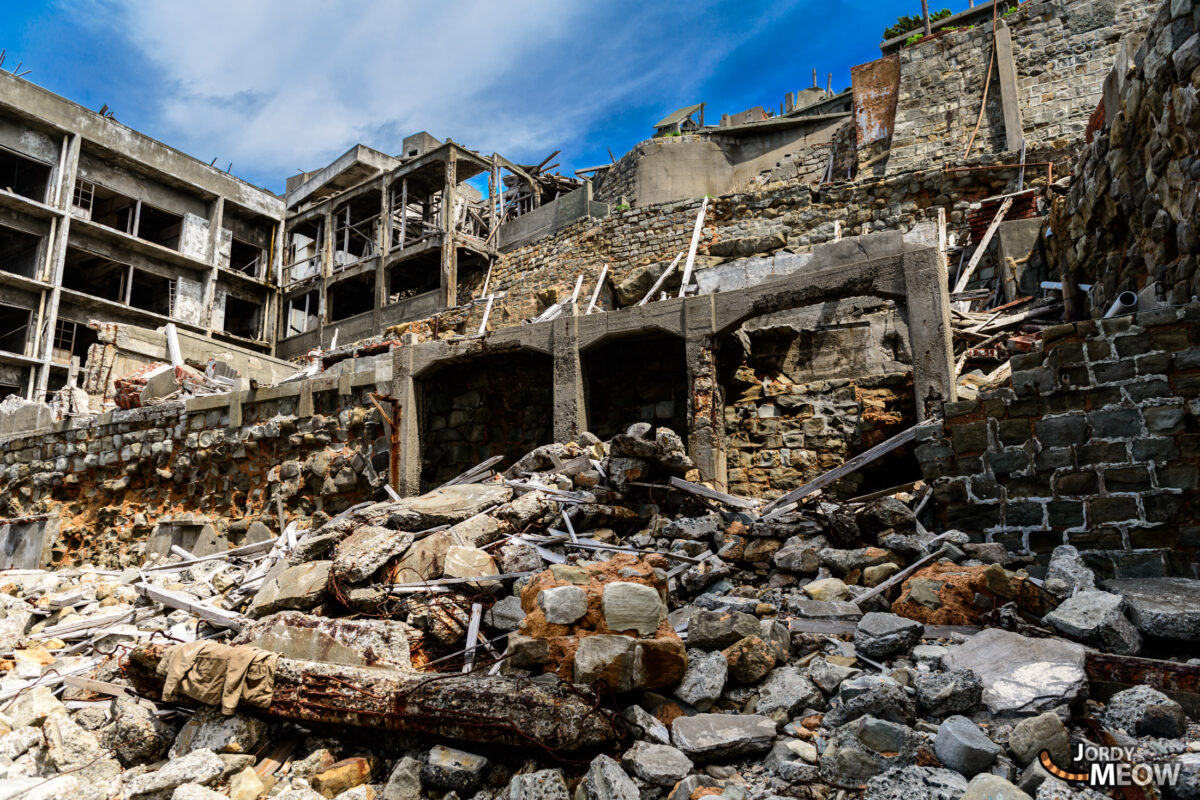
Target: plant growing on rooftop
[(916, 37), (907, 23)]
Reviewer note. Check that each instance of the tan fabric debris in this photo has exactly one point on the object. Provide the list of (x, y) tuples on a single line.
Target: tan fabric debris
[(217, 674)]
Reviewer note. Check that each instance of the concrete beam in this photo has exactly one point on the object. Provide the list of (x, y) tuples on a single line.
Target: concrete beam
[(1010, 100), (928, 315), (570, 406)]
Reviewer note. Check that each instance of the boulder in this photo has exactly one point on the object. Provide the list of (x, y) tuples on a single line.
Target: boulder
[(453, 770), (992, 787), (646, 726), (703, 681), (1096, 617), (716, 630), (870, 695), (209, 729), (749, 659), (963, 747), (659, 764), (787, 691), (632, 606), (880, 636), (1164, 607), (605, 780), (1066, 573), (505, 615), (867, 747), (136, 735), (198, 766), (913, 782), (563, 605), (405, 781), (364, 552), (546, 784), (1031, 736), (1143, 711), (941, 694), (470, 562), (705, 737), (1020, 674), (286, 587), (827, 589)]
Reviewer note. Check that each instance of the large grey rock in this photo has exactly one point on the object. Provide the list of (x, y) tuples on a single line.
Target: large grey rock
[(198, 766), (867, 747), (704, 679), (632, 606), (136, 735), (72, 749), (916, 783), (963, 747), (209, 729), (1020, 674), (611, 655), (1031, 736), (788, 690), (364, 552), (453, 504), (705, 737), (870, 695), (453, 770), (1096, 617), (941, 694), (659, 764), (405, 781), (992, 787), (1067, 573), (349, 642), (563, 605), (716, 630), (605, 780), (1166, 607), (646, 726), (546, 784), (285, 587), (1143, 711), (505, 615), (880, 636), (828, 677)]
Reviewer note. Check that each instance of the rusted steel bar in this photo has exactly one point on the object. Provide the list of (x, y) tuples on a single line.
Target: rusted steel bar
[(1109, 674), (555, 718)]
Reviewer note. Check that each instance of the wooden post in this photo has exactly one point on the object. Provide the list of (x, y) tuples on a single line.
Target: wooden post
[(449, 251), (925, 14)]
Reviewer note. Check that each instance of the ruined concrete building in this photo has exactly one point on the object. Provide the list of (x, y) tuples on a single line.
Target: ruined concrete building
[(845, 449), (787, 289)]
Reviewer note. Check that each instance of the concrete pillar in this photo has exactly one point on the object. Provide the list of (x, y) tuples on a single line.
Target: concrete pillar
[(1010, 100), (216, 219), (570, 405), (326, 271), (449, 251), (56, 256), (705, 411), (404, 391), (382, 234), (928, 311)]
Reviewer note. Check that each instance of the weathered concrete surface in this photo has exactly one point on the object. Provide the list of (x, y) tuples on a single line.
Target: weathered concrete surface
[(348, 642), (1022, 675)]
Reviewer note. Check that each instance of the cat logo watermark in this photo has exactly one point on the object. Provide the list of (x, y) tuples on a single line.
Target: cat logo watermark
[(1114, 766)]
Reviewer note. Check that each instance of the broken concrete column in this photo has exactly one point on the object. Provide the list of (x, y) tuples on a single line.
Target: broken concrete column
[(706, 411), (928, 315), (570, 416), (404, 390)]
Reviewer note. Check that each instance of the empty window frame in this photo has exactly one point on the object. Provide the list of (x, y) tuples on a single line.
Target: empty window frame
[(24, 176), (95, 275), (416, 213), (246, 258), (152, 293), (19, 252), (353, 296), (356, 230), (108, 208), (72, 339), (242, 318), (302, 314), (305, 241), (14, 328), (158, 226), (413, 276)]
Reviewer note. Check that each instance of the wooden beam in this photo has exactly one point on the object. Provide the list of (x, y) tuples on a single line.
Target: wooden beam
[(965, 277), (691, 256)]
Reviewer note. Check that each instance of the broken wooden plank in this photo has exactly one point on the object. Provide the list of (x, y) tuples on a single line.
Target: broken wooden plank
[(88, 624), (775, 507), (712, 494), (977, 256), (244, 550), (661, 280), (97, 687), (596, 292), (468, 476), (691, 256), (194, 606), (472, 637)]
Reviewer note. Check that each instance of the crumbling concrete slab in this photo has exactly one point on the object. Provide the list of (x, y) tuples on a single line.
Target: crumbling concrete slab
[(1022, 675)]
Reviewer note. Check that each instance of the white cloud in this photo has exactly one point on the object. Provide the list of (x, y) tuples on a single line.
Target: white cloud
[(278, 85)]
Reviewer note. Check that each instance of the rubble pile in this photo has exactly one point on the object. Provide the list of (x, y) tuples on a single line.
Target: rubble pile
[(594, 623)]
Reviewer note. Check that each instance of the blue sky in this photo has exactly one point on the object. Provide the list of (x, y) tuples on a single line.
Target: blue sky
[(276, 86)]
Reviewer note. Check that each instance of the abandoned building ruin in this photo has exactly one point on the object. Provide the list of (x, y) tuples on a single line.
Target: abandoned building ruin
[(964, 286)]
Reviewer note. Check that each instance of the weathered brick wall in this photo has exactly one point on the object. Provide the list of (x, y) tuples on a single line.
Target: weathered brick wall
[(1096, 444), (1133, 214), (111, 478), (781, 438), (1062, 50)]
